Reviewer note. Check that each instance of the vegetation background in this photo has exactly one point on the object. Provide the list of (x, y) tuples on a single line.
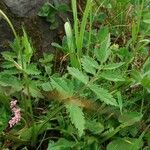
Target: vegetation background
[(94, 94)]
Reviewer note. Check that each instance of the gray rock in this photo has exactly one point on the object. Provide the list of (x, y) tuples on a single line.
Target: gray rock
[(27, 8), (24, 12), (24, 8)]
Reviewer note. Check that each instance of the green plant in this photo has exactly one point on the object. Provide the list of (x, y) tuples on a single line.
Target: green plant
[(74, 37), (50, 12), (100, 101)]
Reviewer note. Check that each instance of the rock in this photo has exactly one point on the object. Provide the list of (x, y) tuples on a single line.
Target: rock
[(24, 8), (24, 12), (5, 36), (28, 8)]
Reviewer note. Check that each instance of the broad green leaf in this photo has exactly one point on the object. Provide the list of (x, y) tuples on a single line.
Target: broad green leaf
[(8, 55), (113, 66), (146, 67), (47, 86), (111, 76), (61, 144), (61, 85), (7, 64), (102, 33), (103, 95), (103, 52), (146, 21), (78, 74), (77, 117), (125, 144), (62, 8), (89, 64), (11, 71), (130, 118), (146, 83), (7, 80), (33, 89), (146, 17), (32, 70), (94, 127), (47, 58)]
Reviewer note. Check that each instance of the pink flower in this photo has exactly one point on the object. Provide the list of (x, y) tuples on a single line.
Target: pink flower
[(13, 103), (16, 113)]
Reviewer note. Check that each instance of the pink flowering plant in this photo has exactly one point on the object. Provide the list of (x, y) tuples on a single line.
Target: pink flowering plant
[(15, 112)]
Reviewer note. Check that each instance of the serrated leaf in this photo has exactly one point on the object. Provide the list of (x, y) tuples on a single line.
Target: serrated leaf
[(33, 89), (7, 65), (102, 33), (8, 55), (103, 95), (47, 58), (113, 66), (103, 52), (32, 70), (112, 76), (78, 74), (61, 85), (48, 69), (60, 144), (47, 86), (28, 51), (7, 80), (77, 117), (11, 71), (89, 64)]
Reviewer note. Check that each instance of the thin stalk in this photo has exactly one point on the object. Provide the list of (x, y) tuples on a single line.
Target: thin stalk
[(82, 28), (90, 33), (120, 127), (9, 22), (137, 27)]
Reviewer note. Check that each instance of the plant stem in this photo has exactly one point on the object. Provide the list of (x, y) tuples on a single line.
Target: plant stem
[(9, 22)]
